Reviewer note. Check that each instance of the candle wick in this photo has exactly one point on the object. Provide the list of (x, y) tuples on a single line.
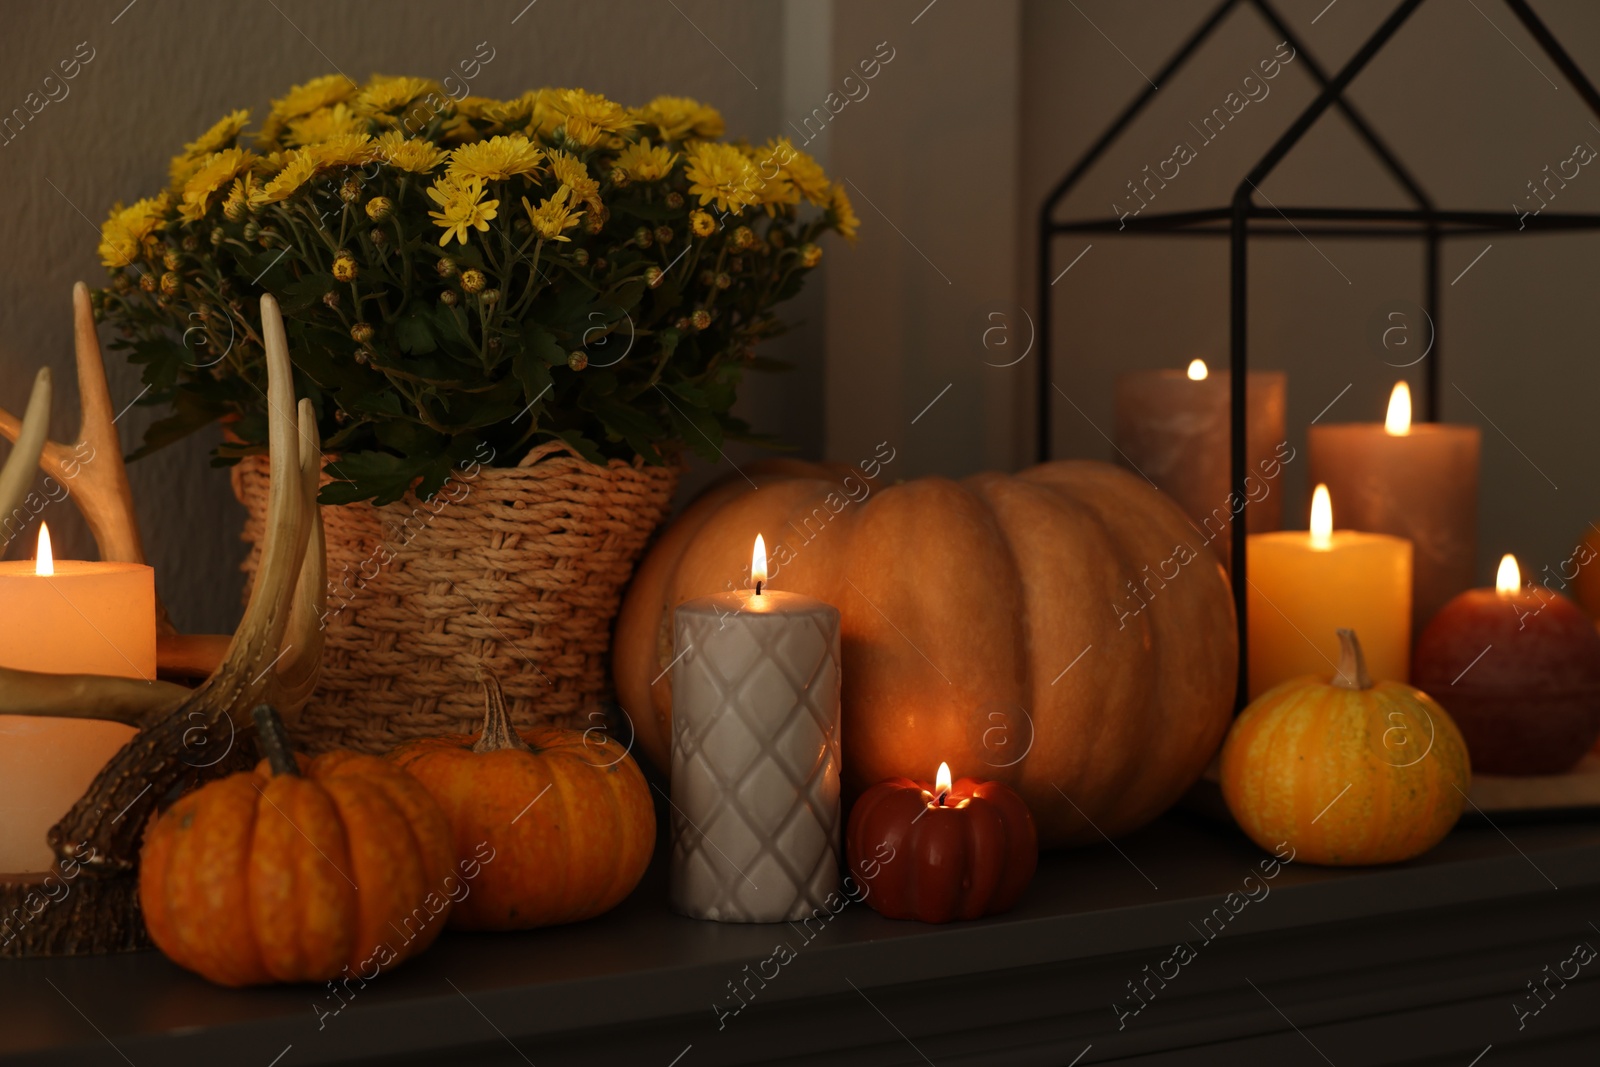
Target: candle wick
[(942, 795), (758, 588)]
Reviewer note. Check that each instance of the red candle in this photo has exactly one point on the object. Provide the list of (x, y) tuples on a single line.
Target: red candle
[(1518, 669), (941, 851)]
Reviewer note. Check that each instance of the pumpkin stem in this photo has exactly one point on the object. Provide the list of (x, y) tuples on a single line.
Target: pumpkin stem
[(1352, 670), (273, 740), (497, 732)]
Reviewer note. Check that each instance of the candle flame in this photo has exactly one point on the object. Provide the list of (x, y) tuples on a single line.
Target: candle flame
[(44, 561), (1321, 518), (1197, 370), (1398, 421), (1509, 578), (941, 781), (758, 564)]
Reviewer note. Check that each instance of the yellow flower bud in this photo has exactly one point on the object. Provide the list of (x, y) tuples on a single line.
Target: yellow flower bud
[(379, 208), (344, 268), (361, 332), (702, 224), (810, 255), (577, 360), (171, 283), (472, 280)]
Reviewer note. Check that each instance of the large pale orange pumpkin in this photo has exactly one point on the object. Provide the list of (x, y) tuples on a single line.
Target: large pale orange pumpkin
[(300, 871), (1346, 771), (566, 814), (1064, 630)]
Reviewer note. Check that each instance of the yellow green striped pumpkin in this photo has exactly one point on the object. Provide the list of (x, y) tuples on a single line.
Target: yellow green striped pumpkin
[(1347, 772)]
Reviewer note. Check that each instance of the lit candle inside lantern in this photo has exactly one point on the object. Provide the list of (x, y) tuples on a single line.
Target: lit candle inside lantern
[(64, 617), (1305, 587), (1413, 480), (755, 753), (1172, 427)]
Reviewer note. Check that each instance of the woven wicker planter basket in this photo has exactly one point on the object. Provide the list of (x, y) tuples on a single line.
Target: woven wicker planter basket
[(523, 572)]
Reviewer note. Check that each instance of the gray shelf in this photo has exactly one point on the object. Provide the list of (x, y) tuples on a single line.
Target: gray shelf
[(1388, 965)]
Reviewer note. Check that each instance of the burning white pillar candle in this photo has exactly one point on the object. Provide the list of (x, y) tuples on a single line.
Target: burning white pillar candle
[(755, 754)]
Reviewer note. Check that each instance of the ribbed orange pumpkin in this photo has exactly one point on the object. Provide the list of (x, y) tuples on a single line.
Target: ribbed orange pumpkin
[(278, 876), (991, 623), (1346, 771), (566, 812)]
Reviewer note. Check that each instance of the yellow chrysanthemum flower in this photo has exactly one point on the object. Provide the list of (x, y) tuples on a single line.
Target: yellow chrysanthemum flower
[(497, 159), (382, 98), (543, 115), (345, 150), (219, 136), (595, 111), (325, 123), (304, 99), (643, 163), (721, 173), (772, 188), (460, 197), (216, 171), (298, 167), (553, 215), (570, 171), (479, 107), (240, 197), (123, 234), (409, 153), (679, 117), (842, 213), (806, 174)]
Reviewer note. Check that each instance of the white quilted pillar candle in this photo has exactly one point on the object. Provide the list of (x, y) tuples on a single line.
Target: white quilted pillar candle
[(755, 756)]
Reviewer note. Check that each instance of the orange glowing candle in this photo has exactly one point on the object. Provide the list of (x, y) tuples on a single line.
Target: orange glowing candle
[(1307, 585), (64, 617)]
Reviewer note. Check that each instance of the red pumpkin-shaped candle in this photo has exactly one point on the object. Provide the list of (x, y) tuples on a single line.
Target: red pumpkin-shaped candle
[(1518, 668), (941, 851)]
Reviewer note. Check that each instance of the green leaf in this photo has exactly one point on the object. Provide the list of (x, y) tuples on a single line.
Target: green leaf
[(304, 294), (586, 448), (413, 334), (542, 344), (379, 475), (631, 425), (697, 428)]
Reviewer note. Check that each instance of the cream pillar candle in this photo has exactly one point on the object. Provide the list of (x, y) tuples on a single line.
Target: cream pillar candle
[(1306, 586), (64, 617), (1172, 427), (755, 754), (1419, 482)]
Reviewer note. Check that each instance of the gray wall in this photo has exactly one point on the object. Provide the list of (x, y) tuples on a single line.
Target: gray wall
[(950, 151)]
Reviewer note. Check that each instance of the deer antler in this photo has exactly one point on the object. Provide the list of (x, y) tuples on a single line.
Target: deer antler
[(93, 463), (273, 657), (29, 437)]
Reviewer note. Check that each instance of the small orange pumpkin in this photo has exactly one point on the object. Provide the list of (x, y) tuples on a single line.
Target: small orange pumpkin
[(566, 812), (1346, 771), (275, 875)]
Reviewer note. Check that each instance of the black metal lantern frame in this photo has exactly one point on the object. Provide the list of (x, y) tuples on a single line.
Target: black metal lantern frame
[(1243, 219)]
